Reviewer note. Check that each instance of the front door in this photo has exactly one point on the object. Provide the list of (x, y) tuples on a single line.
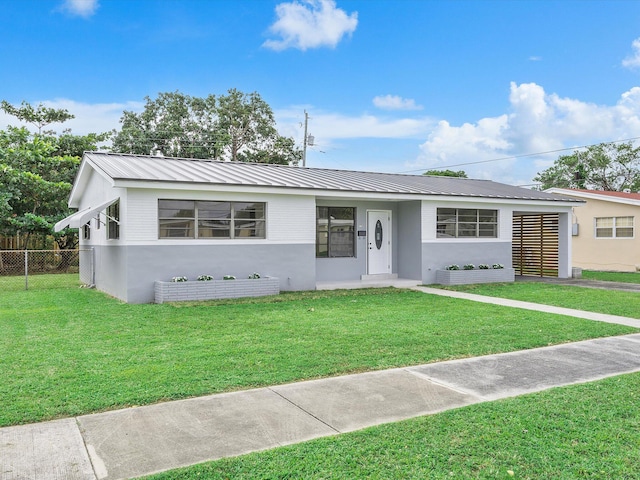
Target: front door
[(378, 242)]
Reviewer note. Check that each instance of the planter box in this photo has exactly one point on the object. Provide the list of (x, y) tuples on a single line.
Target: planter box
[(464, 277), (215, 289)]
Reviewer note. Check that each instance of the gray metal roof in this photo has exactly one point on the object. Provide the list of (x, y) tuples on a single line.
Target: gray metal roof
[(182, 170)]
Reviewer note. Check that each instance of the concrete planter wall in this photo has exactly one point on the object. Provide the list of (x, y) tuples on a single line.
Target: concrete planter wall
[(464, 277), (215, 289)]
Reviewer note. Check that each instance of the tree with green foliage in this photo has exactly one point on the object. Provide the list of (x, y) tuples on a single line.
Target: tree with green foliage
[(447, 173), (39, 116), (236, 126), (606, 166), (36, 174)]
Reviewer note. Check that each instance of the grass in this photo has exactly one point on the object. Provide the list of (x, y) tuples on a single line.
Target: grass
[(581, 431), (612, 302), (73, 351), (624, 277)]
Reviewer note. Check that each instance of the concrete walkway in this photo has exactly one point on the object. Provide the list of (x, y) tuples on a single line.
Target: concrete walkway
[(143, 440)]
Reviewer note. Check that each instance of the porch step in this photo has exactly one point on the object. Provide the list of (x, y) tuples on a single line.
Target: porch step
[(379, 276)]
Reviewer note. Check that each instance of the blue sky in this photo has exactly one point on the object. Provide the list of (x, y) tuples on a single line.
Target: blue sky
[(393, 86)]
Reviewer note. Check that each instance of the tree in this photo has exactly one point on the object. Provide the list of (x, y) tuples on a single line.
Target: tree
[(39, 116), (36, 174), (249, 130), (174, 125), (35, 183), (607, 166), (447, 173), (236, 126)]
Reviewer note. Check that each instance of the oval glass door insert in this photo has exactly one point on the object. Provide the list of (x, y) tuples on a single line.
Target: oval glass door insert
[(378, 235)]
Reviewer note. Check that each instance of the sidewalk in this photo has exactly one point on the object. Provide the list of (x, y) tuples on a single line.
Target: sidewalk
[(143, 440)]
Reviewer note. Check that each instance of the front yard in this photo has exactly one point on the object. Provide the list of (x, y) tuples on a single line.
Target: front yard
[(73, 351)]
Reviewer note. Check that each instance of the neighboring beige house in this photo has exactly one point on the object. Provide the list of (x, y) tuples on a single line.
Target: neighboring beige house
[(604, 230)]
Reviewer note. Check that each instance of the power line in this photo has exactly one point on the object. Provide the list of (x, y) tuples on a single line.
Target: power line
[(519, 156)]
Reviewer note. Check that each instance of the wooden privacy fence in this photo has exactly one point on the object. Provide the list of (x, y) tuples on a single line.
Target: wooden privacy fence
[(535, 245)]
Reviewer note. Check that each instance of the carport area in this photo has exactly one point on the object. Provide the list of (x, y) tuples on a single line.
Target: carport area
[(541, 247)]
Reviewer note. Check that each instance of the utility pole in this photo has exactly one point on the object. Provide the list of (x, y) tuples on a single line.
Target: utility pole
[(304, 150)]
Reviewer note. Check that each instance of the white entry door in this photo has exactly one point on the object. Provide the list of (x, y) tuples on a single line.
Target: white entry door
[(378, 242)]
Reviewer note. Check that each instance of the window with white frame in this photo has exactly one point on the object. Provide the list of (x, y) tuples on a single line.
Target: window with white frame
[(466, 223), (211, 219), (113, 221), (86, 231), (614, 227)]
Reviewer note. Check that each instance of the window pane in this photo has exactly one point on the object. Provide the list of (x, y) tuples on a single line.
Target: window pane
[(624, 232), (604, 232), (176, 209), (248, 210), (218, 210), (176, 229), (249, 228), (488, 216), (341, 244), (341, 213), (446, 225), (467, 215), (624, 221), (341, 231), (447, 215), (467, 230), (322, 232), (488, 230), (214, 229), (604, 222), (113, 221)]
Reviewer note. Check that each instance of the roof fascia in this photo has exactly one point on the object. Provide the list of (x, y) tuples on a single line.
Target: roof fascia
[(594, 196), (82, 179), (335, 194)]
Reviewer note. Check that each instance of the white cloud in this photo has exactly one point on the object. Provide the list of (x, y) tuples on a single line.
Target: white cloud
[(81, 8), (89, 118), (536, 122), (327, 127), (310, 24), (634, 60), (394, 102)]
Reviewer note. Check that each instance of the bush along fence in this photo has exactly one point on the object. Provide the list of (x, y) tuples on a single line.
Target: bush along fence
[(36, 268)]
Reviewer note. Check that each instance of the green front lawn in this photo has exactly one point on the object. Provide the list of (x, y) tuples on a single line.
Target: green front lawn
[(624, 277), (73, 351), (612, 302), (581, 431)]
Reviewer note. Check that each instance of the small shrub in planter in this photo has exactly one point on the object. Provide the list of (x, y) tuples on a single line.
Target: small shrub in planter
[(469, 266), (254, 276), (205, 278), (452, 267), (179, 279), (497, 266), (483, 266), (228, 277)]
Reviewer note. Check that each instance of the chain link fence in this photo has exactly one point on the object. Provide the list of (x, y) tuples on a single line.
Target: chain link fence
[(38, 269)]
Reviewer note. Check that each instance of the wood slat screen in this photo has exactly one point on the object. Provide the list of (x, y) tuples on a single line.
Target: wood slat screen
[(535, 245)]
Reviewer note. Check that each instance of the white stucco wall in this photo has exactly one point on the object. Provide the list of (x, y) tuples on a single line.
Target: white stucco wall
[(290, 218)]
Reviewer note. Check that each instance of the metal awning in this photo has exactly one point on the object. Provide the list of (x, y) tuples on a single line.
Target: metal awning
[(76, 220)]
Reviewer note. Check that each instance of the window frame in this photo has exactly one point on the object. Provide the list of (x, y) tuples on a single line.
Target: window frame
[(235, 219), (614, 227), (113, 221), (86, 231), (462, 217), (330, 253)]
